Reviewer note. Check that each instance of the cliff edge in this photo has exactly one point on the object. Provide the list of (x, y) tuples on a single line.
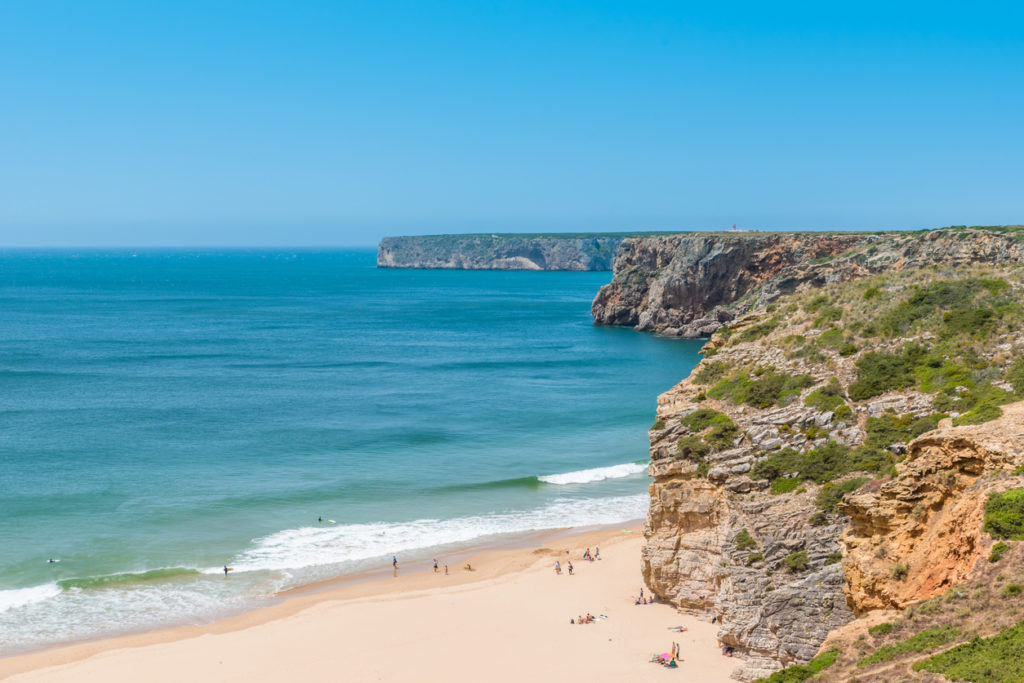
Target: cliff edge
[(834, 451)]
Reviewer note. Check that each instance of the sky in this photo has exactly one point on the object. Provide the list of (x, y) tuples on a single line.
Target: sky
[(335, 123)]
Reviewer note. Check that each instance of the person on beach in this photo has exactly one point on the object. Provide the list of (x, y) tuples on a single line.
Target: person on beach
[(394, 561), (435, 565), (597, 553), (558, 567), (226, 570), (570, 568), (446, 570), (469, 567)]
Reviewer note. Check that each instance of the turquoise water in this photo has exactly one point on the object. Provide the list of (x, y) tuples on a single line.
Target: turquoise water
[(164, 413)]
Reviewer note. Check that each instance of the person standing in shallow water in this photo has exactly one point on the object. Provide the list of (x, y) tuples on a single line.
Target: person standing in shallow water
[(435, 565)]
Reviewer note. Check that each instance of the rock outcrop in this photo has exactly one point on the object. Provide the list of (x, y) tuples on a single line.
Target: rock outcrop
[(928, 519), (689, 285), (500, 252)]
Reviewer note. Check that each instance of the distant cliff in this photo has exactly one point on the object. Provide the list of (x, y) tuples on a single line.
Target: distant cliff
[(501, 252), (689, 285)]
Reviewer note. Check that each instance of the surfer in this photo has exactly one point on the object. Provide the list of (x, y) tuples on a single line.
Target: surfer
[(320, 520), (226, 570), (394, 561), (52, 561)]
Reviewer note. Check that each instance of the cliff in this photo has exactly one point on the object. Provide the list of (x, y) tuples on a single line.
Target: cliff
[(690, 285), (500, 252), (833, 452)]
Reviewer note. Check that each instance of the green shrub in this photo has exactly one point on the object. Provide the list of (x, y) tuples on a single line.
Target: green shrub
[(832, 337), (900, 571), (879, 372), (702, 418), (818, 519), (889, 429), (828, 315), (744, 541), (710, 372), (758, 331), (817, 302), (848, 349), (769, 388), (692, 447), (925, 640), (972, 322), (797, 561), (1004, 515), (754, 557), (982, 660), (883, 629), (1011, 590), (658, 425), (872, 293), (823, 464), (721, 435), (981, 413), (828, 397), (843, 412), (998, 550), (834, 557), (831, 494), (940, 295), (798, 673), (1015, 376), (784, 485)]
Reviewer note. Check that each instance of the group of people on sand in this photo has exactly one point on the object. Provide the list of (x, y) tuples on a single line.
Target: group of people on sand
[(595, 556), (558, 566), (642, 600), (589, 619), (668, 659)]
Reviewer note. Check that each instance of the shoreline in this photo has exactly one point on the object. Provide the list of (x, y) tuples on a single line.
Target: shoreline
[(495, 569)]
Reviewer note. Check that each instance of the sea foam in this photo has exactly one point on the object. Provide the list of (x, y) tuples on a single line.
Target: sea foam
[(596, 474), (18, 597)]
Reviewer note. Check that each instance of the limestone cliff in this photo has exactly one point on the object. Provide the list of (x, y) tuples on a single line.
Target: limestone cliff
[(833, 404), (500, 252), (689, 285)]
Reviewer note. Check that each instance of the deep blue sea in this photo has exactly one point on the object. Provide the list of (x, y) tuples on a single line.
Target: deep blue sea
[(166, 413)]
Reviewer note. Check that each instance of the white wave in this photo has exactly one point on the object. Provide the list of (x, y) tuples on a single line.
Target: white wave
[(17, 597), (356, 544), (596, 474)]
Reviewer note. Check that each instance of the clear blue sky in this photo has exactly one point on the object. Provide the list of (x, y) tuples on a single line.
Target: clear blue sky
[(334, 123)]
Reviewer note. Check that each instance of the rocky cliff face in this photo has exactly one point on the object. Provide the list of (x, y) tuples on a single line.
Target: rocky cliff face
[(690, 285), (499, 252), (807, 470)]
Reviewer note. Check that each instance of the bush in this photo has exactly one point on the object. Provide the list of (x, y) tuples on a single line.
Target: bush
[(834, 557), (702, 418), (831, 494), (872, 293), (983, 660), (798, 673), (710, 372), (818, 519), (828, 315), (998, 550), (828, 397), (722, 435), (1015, 376), (883, 629), (797, 561), (785, 485), (900, 571), (879, 372), (817, 302), (1011, 590), (744, 541), (981, 413), (658, 425), (925, 640), (1004, 515), (944, 295), (691, 447), (769, 388), (754, 557), (889, 429), (755, 332), (824, 464)]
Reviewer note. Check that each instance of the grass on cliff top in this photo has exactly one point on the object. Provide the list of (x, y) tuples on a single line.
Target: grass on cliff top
[(982, 660), (798, 673)]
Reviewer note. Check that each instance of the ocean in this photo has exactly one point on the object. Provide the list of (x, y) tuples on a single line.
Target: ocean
[(166, 413)]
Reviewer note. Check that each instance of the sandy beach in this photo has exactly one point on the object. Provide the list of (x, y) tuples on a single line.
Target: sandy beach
[(507, 620)]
